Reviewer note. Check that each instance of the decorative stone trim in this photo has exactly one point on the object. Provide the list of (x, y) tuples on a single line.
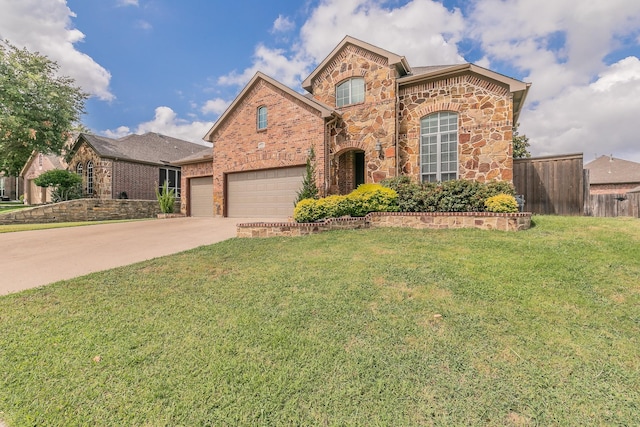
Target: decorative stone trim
[(418, 220), (83, 210)]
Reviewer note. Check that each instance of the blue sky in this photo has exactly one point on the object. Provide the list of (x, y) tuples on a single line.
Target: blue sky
[(173, 67)]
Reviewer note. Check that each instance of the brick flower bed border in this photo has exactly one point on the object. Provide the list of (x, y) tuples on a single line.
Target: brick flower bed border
[(419, 220)]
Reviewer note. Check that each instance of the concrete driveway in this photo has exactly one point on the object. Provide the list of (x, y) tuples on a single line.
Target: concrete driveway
[(34, 258)]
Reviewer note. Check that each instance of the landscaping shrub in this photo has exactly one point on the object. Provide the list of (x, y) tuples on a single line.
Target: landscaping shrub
[(449, 196), (504, 203), (366, 198)]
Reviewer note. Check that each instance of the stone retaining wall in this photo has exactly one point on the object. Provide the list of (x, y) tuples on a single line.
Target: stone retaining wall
[(419, 220), (83, 210)]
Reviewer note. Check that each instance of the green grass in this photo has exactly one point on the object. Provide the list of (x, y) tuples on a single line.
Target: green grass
[(9, 207), (377, 327)]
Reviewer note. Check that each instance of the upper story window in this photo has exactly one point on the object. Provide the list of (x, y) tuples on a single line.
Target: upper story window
[(439, 147), (262, 117), (350, 92)]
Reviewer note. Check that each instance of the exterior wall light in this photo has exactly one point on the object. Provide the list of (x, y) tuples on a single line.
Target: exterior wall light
[(378, 148)]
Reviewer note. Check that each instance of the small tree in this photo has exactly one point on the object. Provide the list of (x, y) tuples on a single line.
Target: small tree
[(520, 144), (309, 188), (66, 185), (166, 198)]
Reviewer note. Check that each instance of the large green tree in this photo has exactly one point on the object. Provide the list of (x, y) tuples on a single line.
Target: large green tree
[(38, 108), (520, 144)]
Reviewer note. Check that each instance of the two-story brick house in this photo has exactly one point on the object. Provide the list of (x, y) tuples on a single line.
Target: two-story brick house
[(368, 116)]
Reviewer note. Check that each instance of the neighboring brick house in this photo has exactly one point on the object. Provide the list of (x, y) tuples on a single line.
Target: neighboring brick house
[(610, 175), (38, 164), (368, 116), (131, 167)]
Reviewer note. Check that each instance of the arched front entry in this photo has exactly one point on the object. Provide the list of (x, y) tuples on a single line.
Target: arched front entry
[(350, 171)]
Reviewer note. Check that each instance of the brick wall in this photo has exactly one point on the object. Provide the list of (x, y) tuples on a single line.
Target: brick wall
[(83, 210), (293, 127), (485, 125), (139, 181), (417, 220)]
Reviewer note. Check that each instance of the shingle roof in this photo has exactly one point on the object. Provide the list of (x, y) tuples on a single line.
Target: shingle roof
[(611, 170), (200, 156), (148, 148)]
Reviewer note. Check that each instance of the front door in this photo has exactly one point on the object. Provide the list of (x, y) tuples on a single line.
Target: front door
[(359, 168)]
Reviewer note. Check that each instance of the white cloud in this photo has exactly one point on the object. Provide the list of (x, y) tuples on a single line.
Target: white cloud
[(273, 62), (143, 25), (215, 106), (124, 3), (45, 26), (166, 122), (598, 118), (117, 133), (282, 24), (422, 30)]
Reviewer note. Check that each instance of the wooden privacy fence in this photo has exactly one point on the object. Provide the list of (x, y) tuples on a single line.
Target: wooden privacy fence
[(552, 185), (611, 205)]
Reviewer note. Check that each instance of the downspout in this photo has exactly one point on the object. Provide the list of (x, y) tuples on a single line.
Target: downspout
[(397, 135), (327, 161)]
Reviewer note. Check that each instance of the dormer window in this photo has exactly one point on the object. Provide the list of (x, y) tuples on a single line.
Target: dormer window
[(262, 118), (350, 92)]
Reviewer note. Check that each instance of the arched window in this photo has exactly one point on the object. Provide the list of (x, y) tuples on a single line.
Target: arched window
[(79, 169), (350, 92), (262, 117), (90, 178), (439, 147)]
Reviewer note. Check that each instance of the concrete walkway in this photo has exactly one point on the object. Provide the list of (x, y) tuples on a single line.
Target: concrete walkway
[(34, 258)]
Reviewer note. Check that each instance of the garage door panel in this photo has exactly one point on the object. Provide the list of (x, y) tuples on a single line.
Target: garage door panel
[(201, 196), (269, 193)]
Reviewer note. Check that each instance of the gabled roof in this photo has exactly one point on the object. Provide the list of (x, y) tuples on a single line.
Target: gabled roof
[(56, 161), (205, 155), (151, 148), (324, 110), (611, 170), (400, 62), (516, 87)]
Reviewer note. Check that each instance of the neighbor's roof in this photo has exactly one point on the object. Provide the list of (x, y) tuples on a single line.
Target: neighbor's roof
[(611, 170), (324, 110), (518, 88), (151, 147), (56, 161), (205, 155), (400, 62)]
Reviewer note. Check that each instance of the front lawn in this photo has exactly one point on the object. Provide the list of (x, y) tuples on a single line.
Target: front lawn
[(363, 327)]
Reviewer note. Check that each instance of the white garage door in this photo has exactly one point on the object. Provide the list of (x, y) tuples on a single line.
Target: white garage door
[(201, 193), (263, 194)]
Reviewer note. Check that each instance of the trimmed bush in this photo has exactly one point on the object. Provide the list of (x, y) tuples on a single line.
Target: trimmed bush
[(449, 196), (502, 203), (366, 198)]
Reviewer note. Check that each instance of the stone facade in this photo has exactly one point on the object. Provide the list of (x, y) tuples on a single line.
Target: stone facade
[(361, 126), (485, 125), (83, 210), (102, 172), (292, 129), (417, 220)]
